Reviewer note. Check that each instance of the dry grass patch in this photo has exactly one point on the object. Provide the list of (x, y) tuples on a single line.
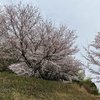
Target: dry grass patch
[(13, 87)]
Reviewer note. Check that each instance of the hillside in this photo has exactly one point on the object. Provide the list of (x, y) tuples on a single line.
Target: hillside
[(13, 87)]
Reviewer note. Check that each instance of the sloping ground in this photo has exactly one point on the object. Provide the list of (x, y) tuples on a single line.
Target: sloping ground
[(13, 87), (98, 97)]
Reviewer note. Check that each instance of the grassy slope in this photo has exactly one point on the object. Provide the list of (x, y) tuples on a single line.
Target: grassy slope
[(13, 87)]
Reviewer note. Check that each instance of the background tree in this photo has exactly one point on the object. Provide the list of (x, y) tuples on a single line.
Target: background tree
[(45, 48), (93, 56)]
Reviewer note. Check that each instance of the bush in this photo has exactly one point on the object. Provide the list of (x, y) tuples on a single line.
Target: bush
[(95, 91), (92, 85), (4, 65), (80, 83)]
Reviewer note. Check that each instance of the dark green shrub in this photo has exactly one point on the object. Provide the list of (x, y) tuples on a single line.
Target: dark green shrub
[(95, 91), (90, 85), (80, 83), (4, 63)]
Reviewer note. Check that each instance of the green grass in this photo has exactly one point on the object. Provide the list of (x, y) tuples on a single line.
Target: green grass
[(13, 87)]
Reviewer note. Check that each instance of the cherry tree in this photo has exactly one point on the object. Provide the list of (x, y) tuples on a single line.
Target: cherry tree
[(45, 48), (93, 57)]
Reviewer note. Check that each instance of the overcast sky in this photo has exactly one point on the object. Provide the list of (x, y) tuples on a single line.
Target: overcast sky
[(80, 15)]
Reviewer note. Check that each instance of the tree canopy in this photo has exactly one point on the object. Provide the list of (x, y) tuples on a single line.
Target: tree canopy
[(45, 48)]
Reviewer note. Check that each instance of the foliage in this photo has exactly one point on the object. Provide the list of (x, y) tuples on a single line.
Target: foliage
[(95, 91), (90, 86), (45, 48), (82, 75), (4, 63), (6, 58), (80, 82), (93, 56), (90, 83)]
